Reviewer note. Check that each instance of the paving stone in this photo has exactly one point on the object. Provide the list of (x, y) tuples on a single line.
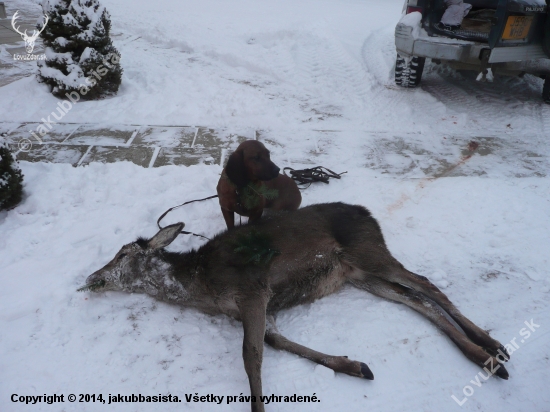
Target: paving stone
[(51, 153), (211, 137), (57, 134), (102, 135), (166, 136), (108, 154), (220, 137), (207, 148), (187, 156)]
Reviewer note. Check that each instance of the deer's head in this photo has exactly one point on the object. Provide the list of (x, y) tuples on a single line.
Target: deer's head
[(138, 267), (29, 40)]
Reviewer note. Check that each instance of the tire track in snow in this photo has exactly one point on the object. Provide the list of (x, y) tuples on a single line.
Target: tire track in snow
[(326, 69), (494, 106), (375, 52), (489, 107), (389, 103), (378, 54)]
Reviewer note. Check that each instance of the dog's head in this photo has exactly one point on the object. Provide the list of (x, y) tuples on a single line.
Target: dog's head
[(249, 163)]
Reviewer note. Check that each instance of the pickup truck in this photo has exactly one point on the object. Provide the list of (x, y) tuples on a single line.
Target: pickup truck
[(496, 37)]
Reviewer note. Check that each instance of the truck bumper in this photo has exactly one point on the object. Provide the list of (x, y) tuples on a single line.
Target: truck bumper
[(469, 52)]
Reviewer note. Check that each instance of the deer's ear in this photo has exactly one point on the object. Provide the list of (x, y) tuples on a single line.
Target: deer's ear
[(165, 236)]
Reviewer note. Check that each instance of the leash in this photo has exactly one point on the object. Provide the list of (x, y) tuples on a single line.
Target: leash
[(302, 177), (312, 175), (183, 204)]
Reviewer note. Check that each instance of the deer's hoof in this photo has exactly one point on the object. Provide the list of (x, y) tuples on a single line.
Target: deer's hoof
[(506, 354), (366, 372), (502, 372), (501, 353)]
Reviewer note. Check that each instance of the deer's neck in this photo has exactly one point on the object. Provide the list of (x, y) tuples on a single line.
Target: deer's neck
[(171, 277)]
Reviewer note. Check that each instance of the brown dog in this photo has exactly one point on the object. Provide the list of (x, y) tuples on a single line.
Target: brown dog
[(251, 182)]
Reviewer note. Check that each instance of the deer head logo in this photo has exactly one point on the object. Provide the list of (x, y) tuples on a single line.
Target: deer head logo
[(29, 40)]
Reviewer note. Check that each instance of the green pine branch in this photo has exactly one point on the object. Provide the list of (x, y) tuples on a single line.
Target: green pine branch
[(11, 180), (252, 195), (255, 247)]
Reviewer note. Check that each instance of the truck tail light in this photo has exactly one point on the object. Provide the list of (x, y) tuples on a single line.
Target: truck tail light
[(411, 9)]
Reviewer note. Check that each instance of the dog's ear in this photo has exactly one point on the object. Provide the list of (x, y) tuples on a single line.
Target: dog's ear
[(235, 170)]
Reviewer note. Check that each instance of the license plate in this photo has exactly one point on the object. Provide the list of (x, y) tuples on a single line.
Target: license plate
[(517, 27)]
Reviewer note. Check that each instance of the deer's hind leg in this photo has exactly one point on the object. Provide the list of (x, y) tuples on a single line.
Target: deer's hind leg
[(420, 303), (336, 363), (474, 332)]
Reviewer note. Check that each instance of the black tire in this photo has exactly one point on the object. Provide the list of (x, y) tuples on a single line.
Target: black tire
[(546, 90), (409, 73)]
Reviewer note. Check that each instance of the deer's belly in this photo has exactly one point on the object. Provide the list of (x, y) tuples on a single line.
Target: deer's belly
[(303, 286)]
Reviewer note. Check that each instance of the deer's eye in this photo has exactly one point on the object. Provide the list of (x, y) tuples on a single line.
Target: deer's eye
[(121, 256)]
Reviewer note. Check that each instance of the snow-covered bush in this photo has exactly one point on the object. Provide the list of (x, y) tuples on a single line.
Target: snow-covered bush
[(11, 179), (80, 56)]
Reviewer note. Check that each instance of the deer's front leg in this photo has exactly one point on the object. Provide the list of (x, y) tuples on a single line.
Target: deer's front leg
[(336, 363), (252, 310)]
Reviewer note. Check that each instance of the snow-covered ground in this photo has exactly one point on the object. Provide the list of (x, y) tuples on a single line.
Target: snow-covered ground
[(478, 227)]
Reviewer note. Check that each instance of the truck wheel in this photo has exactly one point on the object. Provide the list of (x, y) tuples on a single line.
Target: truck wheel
[(546, 90), (408, 72)]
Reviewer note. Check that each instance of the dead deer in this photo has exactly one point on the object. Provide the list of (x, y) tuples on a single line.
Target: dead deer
[(250, 272)]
